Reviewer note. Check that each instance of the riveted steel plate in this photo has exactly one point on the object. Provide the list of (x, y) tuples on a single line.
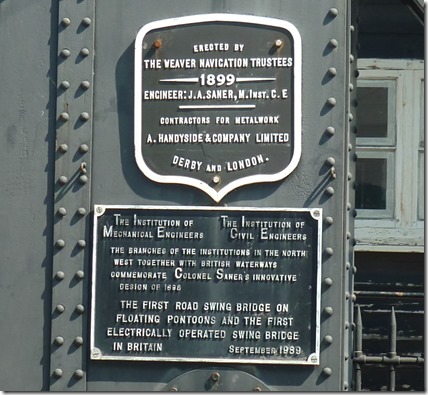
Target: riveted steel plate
[(218, 101), (202, 284)]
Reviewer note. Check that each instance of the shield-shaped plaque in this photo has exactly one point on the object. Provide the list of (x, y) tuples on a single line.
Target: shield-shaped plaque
[(218, 101)]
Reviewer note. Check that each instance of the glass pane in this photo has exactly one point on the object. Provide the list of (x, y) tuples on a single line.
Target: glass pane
[(371, 184), (372, 120)]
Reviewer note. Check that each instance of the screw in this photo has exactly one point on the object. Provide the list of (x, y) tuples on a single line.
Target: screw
[(81, 211), (329, 191), (78, 373), (63, 148), (65, 85), (80, 309), (84, 116), (65, 53), (86, 21), (84, 52), (80, 274), (216, 179), (328, 281), (66, 21), (278, 43), (60, 308), (64, 116), (330, 130), (215, 376), (83, 148), (60, 243), (62, 211), (60, 275), (157, 44), (85, 84)]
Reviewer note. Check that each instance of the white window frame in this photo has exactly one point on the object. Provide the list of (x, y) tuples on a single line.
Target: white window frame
[(403, 231)]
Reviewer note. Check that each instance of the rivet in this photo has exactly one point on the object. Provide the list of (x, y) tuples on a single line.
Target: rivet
[(62, 211), (328, 310), (349, 176), (331, 101), (85, 84), (354, 213), (328, 281), (328, 339), (329, 220), (331, 161), (157, 44), (83, 148), (332, 71), (347, 295), (257, 389), (329, 251), (83, 179), (81, 211), (65, 53), (216, 179), (59, 340), (173, 389), (354, 297), (329, 191), (330, 130), (350, 117), (346, 325), (63, 180), (81, 243), (84, 116), (78, 373), (215, 376), (333, 11), (327, 372), (60, 275), (63, 148), (84, 52), (80, 274), (60, 243), (65, 84), (66, 21), (354, 269), (87, 21), (345, 385), (64, 116), (58, 372), (278, 43), (333, 43), (351, 58), (348, 235), (78, 341), (347, 265), (80, 309), (356, 73), (346, 357), (60, 308), (348, 206)]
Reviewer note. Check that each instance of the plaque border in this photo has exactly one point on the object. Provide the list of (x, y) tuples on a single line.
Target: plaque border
[(313, 359), (217, 196)]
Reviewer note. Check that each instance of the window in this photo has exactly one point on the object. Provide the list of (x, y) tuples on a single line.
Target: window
[(389, 194)]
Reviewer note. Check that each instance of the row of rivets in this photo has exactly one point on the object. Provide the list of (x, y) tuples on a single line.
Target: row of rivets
[(66, 52)]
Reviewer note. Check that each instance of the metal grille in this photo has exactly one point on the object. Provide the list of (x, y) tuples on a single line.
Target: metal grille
[(389, 361)]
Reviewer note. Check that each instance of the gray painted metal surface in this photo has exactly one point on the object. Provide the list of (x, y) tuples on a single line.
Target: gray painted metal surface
[(67, 111)]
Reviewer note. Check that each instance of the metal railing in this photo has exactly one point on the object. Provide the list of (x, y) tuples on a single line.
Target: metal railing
[(390, 360)]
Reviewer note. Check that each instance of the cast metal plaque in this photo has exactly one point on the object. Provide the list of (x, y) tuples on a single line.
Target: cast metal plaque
[(218, 101), (234, 285)]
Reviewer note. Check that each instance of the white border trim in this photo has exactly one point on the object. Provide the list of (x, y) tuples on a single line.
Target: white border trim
[(313, 359), (297, 79)]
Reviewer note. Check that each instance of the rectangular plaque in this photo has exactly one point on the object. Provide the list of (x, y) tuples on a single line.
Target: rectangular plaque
[(237, 285)]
